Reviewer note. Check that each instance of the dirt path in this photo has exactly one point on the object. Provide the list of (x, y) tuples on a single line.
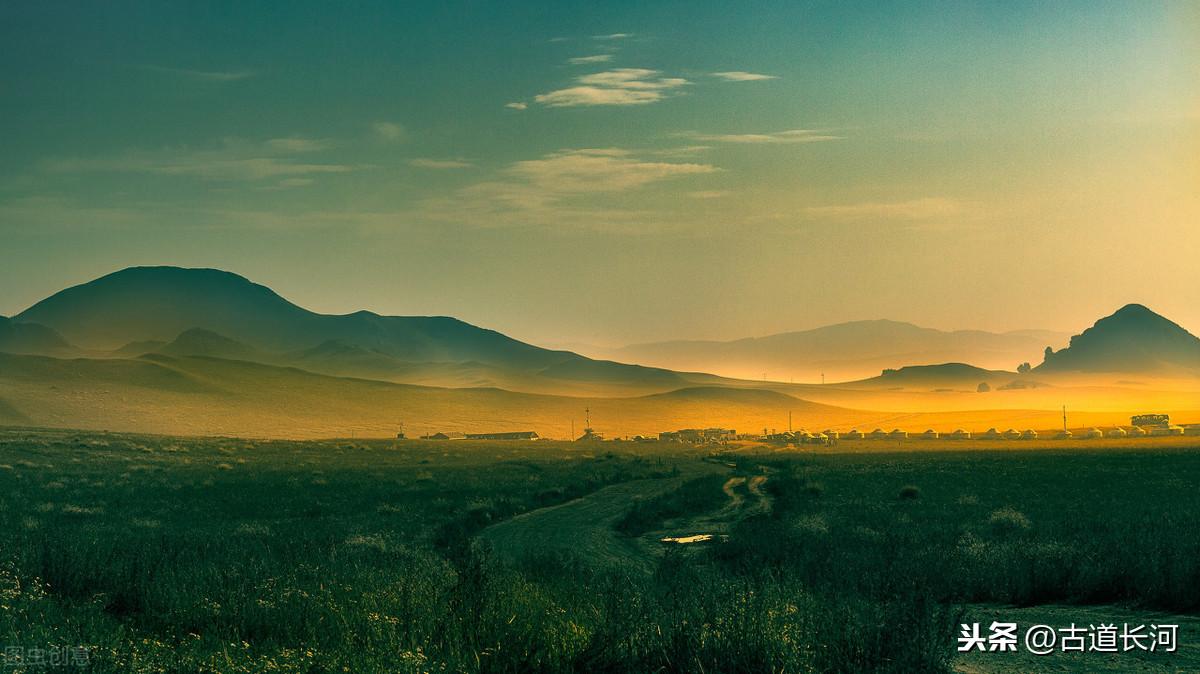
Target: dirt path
[(762, 501), (730, 489), (585, 526)]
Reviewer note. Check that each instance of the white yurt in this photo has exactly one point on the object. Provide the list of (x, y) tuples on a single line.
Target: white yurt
[(1094, 433), (960, 434), (1012, 434), (854, 434), (1029, 434), (897, 434), (1117, 432), (930, 434)]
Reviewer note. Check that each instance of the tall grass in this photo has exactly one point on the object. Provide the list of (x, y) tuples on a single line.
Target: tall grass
[(317, 557)]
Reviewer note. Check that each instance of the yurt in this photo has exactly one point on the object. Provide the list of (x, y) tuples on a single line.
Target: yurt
[(1029, 434), (929, 434), (1064, 435), (854, 434), (1137, 432), (1012, 434), (832, 435), (1093, 434), (1166, 430), (960, 434), (1117, 432), (897, 434), (878, 434), (991, 434)]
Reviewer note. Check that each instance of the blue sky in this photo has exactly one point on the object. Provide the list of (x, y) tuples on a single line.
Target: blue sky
[(619, 171)]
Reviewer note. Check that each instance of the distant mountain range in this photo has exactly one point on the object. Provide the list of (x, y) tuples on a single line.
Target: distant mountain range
[(206, 351), (842, 351)]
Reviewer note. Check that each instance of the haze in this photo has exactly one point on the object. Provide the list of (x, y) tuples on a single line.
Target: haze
[(575, 173)]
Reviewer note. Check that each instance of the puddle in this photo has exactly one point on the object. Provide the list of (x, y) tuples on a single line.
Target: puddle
[(696, 538)]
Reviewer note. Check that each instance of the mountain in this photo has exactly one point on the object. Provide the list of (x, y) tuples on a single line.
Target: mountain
[(143, 305), (842, 351), (21, 337), (201, 342), (1134, 339)]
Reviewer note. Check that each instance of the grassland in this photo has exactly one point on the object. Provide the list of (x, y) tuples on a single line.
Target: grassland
[(224, 555)]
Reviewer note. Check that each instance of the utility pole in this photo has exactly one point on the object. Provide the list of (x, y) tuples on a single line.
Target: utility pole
[(789, 421), (1064, 418)]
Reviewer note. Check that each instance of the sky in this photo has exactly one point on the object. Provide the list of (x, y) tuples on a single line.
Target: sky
[(617, 172)]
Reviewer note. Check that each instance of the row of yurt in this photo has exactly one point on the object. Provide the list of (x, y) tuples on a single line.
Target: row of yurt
[(994, 434)]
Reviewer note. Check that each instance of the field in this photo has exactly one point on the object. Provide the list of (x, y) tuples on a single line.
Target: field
[(162, 554)]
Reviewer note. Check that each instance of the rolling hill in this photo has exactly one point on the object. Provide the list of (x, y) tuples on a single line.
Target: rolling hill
[(197, 395), (31, 338)]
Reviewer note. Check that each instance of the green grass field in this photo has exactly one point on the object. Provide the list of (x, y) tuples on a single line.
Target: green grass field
[(164, 554)]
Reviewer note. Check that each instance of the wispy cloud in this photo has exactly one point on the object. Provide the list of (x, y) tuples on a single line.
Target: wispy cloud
[(913, 209), (613, 36), (709, 194), (789, 136), (741, 76), (516, 105), (680, 152), (440, 164), (597, 58), (553, 190), (233, 160), (621, 86), (389, 131), (204, 75)]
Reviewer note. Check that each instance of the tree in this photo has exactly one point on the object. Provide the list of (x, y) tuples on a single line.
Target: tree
[(1049, 352), (1024, 368), (983, 387)]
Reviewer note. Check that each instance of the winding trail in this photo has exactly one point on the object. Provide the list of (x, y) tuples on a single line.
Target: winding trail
[(585, 526)]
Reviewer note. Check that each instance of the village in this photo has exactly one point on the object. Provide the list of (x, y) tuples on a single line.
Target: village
[(1140, 426)]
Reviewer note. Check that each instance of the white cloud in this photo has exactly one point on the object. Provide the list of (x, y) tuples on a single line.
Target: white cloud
[(422, 162), (621, 86), (297, 144), (558, 190), (741, 76), (913, 209), (389, 131), (204, 75), (516, 105), (598, 58), (612, 36), (684, 151), (709, 194), (597, 170), (233, 160), (789, 136)]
